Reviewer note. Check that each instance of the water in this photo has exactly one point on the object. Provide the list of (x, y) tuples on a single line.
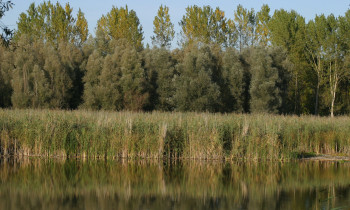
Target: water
[(75, 184)]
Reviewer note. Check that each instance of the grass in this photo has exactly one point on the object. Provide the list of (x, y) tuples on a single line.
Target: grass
[(102, 134)]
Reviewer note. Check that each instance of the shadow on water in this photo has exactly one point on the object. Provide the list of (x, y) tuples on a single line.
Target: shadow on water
[(35, 183)]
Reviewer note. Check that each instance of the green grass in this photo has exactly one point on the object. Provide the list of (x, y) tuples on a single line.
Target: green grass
[(170, 135)]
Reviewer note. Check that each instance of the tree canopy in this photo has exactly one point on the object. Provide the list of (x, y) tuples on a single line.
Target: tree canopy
[(258, 61)]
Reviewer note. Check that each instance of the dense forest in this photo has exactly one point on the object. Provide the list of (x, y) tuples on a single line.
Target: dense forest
[(257, 62)]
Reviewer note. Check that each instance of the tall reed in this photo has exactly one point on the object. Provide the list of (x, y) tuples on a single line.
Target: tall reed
[(158, 135)]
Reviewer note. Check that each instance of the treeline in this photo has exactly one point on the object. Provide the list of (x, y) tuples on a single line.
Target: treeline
[(256, 62)]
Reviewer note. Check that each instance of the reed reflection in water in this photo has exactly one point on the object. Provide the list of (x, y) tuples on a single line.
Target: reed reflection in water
[(76, 184)]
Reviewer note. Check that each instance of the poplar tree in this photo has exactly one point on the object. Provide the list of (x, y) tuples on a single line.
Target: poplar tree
[(287, 30), (120, 23), (163, 29), (245, 21), (52, 23), (315, 48), (336, 58), (205, 25), (262, 25)]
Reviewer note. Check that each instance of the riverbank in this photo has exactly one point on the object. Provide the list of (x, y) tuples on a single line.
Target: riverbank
[(101, 134)]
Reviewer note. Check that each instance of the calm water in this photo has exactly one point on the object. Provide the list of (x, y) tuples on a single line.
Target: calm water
[(75, 184)]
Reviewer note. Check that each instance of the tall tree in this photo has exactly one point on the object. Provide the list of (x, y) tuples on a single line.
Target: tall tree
[(163, 29), (52, 23), (287, 30), (265, 94), (336, 56), (6, 67), (44, 76), (82, 30), (117, 80), (196, 89), (120, 23), (262, 25), (315, 47), (160, 68), (233, 73), (245, 25), (205, 25)]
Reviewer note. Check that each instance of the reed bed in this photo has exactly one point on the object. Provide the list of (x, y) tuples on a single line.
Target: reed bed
[(156, 135)]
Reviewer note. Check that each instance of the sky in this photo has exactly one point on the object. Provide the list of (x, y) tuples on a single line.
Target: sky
[(146, 10)]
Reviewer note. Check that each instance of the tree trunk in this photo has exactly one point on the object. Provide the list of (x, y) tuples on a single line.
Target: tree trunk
[(332, 106), (317, 93)]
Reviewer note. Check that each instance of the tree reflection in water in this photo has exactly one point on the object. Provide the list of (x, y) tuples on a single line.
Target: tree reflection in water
[(77, 184)]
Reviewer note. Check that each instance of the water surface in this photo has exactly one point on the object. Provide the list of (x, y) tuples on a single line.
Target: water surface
[(76, 184)]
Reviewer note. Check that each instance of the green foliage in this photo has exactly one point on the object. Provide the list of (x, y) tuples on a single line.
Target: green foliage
[(196, 89), (288, 30), (52, 23), (160, 69), (265, 95), (43, 76), (233, 73), (163, 28), (205, 25), (262, 25), (6, 65), (120, 23), (246, 25), (116, 81), (303, 68)]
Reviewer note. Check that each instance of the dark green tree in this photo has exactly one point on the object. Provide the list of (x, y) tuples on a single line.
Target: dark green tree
[(264, 92), (232, 74), (160, 68), (196, 89), (287, 30), (6, 66)]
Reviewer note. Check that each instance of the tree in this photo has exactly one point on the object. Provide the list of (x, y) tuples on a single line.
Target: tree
[(28, 62), (6, 34), (196, 89), (52, 23), (205, 26), (115, 81), (245, 25), (336, 58), (287, 30), (163, 28), (315, 46), (92, 94), (82, 30), (120, 23), (45, 76), (6, 66), (160, 68), (264, 92), (262, 29), (233, 73)]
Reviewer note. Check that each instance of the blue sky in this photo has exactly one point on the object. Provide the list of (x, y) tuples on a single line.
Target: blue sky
[(147, 9)]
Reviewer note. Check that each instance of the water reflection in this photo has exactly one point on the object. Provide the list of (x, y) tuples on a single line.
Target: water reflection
[(75, 184)]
